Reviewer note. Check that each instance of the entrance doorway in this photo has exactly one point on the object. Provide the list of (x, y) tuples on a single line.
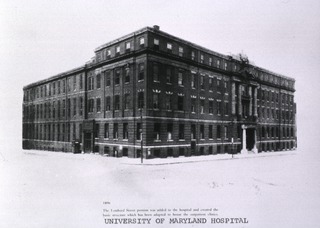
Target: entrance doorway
[(193, 147), (250, 138), (88, 142)]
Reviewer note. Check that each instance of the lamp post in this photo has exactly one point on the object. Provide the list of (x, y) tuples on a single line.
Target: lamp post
[(141, 137)]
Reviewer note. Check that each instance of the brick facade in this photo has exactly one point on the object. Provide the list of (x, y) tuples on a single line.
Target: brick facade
[(189, 101)]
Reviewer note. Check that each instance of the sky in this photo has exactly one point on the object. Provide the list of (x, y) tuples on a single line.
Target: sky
[(40, 38)]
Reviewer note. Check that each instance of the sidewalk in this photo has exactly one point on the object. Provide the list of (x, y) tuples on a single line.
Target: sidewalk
[(203, 158)]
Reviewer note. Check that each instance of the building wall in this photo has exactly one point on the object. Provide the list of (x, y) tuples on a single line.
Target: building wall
[(208, 92)]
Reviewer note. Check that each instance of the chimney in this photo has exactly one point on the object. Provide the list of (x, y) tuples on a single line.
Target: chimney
[(156, 27)]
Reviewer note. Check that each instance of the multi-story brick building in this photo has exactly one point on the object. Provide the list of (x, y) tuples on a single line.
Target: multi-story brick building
[(181, 99)]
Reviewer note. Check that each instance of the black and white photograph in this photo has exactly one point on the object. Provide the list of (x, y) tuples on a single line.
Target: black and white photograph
[(159, 113)]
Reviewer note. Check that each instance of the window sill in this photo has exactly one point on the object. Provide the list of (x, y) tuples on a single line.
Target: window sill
[(156, 140), (182, 140), (115, 139), (140, 80), (169, 140), (126, 140)]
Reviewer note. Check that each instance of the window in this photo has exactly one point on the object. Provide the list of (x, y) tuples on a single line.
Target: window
[(193, 105), (193, 55), (141, 71), (180, 78), (108, 53), (202, 82), (168, 101), (96, 130), (201, 58), (128, 46), (74, 106), (63, 109), (115, 131), (169, 47), (117, 50), (156, 100), (125, 131), (74, 83), (91, 105), (169, 131), (90, 83), (226, 132), (50, 88), (239, 130), (210, 61), (98, 81), (169, 74), (107, 75), (126, 100), (98, 105), (54, 109), (219, 107), (210, 84), (58, 109), (210, 132), (127, 76), (69, 108), (210, 107), (54, 88), (180, 103), (141, 41), (181, 131), (219, 132), (69, 86), (193, 131), (116, 102), (193, 81), (226, 108), (108, 103), (117, 77), (226, 66), (106, 130), (156, 42), (140, 99), (139, 131), (218, 63), (80, 82), (156, 131), (155, 68), (181, 51), (201, 131), (202, 106), (80, 106)]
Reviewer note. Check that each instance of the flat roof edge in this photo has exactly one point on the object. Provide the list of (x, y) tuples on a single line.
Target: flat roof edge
[(63, 74)]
